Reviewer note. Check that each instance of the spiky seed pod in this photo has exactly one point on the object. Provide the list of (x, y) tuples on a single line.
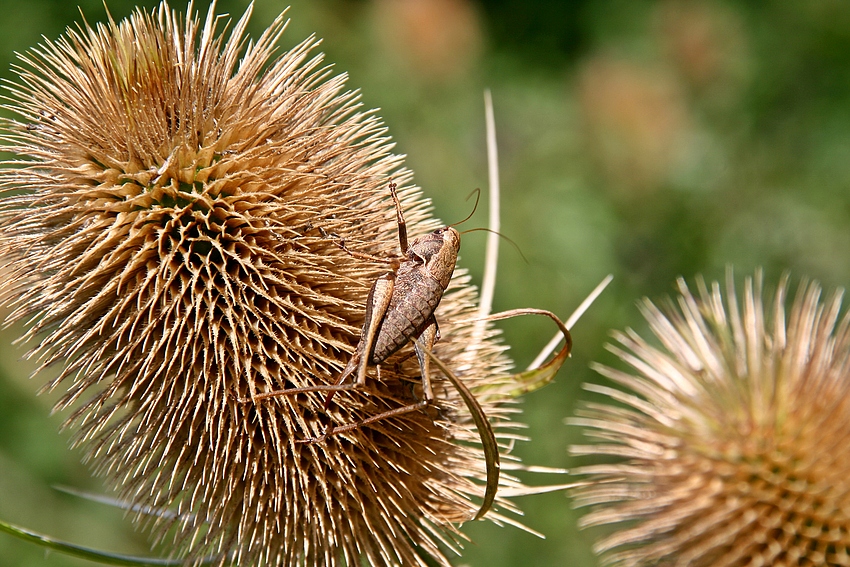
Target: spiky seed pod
[(170, 232), (731, 441)]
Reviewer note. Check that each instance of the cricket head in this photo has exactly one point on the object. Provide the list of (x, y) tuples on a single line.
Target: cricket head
[(451, 239), (438, 250)]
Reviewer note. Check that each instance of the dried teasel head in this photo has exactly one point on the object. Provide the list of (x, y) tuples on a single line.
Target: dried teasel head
[(730, 442), (170, 232)]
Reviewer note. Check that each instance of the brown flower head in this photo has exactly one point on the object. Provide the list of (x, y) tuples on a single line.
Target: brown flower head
[(171, 231), (731, 442)]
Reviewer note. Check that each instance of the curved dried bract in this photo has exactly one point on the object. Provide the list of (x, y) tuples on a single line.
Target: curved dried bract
[(729, 442), (169, 232)]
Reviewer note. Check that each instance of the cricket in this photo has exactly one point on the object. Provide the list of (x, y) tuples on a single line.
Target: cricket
[(400, 308)]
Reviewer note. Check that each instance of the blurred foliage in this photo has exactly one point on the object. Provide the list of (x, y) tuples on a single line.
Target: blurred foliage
[(645, 139)]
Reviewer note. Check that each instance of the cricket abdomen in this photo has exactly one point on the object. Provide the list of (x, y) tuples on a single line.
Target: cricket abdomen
[(414, 300)]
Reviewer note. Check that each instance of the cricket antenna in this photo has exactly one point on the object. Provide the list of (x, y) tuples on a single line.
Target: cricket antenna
[(477, 193), (512, 243)]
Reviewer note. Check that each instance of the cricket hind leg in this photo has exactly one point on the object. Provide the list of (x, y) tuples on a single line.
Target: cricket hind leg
[(377, 303), (303, 390), (426, 340), (331, 389), (357, 362), (376, 306)]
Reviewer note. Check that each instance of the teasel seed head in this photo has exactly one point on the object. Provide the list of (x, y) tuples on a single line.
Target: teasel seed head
[(729, 443), (170, 232)]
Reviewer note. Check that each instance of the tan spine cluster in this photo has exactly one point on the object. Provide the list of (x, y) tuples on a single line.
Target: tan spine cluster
[(169, 231), (730, 441)]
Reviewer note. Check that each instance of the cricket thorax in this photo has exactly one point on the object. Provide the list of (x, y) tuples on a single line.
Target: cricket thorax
[(419, 285), (438, 252)]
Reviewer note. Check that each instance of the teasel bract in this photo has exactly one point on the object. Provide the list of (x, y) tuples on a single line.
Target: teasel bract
[(170, 231), (728, 444)]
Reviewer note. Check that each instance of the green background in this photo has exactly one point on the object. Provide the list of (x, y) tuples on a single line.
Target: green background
[(645, 139)]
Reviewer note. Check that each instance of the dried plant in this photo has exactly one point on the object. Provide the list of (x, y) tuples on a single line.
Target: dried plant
[(730, 444), (170, 232)]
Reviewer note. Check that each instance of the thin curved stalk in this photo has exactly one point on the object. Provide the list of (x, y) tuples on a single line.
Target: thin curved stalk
[(90, 554)]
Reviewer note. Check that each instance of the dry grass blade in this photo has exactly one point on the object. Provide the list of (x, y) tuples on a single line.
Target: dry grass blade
[(485, 432), (91, 554)]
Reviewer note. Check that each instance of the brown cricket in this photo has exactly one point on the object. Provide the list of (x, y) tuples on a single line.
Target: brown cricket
[(400, 308)]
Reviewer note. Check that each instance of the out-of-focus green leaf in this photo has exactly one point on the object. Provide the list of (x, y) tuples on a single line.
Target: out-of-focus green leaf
[(521, 383)]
